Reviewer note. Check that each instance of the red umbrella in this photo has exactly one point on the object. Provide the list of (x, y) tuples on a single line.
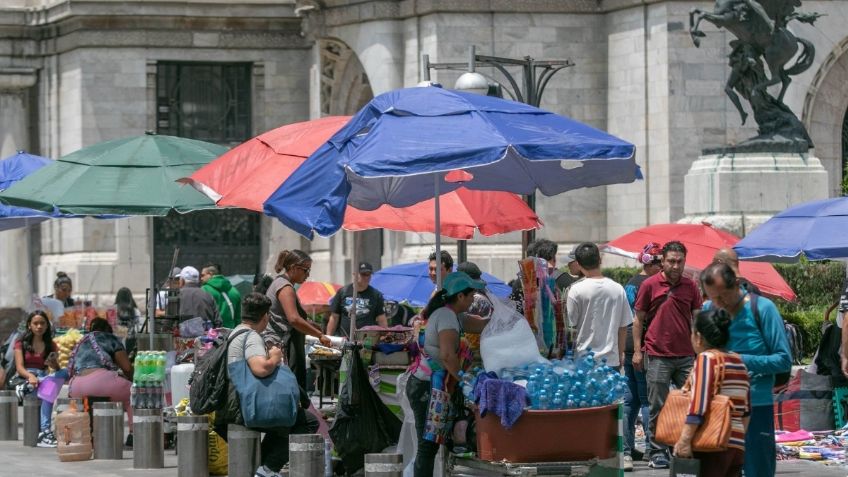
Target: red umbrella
[(315, 296), (249, 173), (702, 241)]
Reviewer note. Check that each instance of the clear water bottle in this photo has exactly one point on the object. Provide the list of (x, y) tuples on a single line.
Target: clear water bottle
[(557, 402), (328, 458), (569, 402), (544, 401), (467, 385), (134, 395)]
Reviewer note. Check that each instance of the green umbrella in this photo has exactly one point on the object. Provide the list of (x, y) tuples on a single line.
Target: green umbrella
[(131, 176)]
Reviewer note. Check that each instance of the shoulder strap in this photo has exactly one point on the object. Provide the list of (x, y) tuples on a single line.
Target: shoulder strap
[(756, 310), (233, 336), (229, 304)]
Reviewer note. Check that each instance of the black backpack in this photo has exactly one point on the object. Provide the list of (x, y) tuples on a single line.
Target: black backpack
[(780, 379), (209, 381)]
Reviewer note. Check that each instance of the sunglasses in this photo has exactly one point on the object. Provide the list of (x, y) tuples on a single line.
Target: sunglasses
[(305, 269)]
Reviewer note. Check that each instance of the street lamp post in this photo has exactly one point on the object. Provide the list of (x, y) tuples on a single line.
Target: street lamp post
[(535, 75)]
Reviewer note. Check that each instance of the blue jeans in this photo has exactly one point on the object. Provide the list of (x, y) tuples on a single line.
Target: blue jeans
[(760, 455), (418, 393), (635, 403), (47, 407)]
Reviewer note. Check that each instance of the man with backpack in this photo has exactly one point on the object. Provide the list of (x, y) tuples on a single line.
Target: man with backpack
[(758, 336), (211, 389)]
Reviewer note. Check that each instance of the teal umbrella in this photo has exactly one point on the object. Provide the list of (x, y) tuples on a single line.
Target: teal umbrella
[(130, 176)]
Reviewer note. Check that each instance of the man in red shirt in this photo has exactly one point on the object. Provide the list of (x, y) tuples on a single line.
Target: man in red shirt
[(665, 306)]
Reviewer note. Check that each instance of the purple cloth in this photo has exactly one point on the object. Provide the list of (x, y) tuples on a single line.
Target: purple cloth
[(506, 399)]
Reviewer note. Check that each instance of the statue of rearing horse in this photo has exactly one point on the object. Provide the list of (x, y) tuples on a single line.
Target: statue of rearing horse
[(763, 28)]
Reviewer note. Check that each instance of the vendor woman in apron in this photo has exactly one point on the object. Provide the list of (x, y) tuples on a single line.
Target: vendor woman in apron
[(442, 355)]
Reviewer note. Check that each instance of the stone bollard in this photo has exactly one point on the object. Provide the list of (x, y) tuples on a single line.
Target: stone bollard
[(8, 416), (244, 452), (148, 439), (383, 465), (32, 420), (193, 446), (108, 430), (306, 455)]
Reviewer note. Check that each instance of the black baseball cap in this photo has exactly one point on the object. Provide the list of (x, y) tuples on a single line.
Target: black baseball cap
[(365, 267), (471, 269)]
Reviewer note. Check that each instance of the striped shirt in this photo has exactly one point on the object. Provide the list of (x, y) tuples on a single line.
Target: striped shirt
[(705, 376)]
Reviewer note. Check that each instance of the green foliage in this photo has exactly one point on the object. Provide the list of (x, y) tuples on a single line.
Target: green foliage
[(817, 286), (620, 274)]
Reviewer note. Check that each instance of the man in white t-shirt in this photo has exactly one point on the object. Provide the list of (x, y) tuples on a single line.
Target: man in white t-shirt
[(597, 307)]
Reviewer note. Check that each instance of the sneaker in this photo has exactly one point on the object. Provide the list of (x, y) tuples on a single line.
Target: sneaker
[(628, 463), (264, 471), (658, 461), (46, 439)]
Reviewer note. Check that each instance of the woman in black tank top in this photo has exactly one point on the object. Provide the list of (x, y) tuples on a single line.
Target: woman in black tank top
[(289, 326)]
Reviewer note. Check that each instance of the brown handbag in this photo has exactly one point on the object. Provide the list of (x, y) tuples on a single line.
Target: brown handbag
[(714, 432)]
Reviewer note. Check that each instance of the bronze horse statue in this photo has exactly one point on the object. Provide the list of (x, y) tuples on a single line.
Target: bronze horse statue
[(763, 27)]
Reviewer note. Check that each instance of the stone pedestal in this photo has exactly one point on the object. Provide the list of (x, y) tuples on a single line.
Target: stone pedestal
[(740, 191)]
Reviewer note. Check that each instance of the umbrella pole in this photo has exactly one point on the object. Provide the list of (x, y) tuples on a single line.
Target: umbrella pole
[(438, 231), (151, 307), (352, 312)]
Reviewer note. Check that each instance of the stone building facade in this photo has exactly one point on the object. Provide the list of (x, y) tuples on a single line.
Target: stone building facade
[(77, 72)]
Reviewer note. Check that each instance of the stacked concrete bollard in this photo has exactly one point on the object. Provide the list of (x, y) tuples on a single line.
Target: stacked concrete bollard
[(383, 465), (108, 430), (306, 455), (192, 446), (8, 416), (244, 451), (148, 439), (32, 418)]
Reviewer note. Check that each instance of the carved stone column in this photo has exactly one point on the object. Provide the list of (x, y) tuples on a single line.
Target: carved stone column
[(15, 270)]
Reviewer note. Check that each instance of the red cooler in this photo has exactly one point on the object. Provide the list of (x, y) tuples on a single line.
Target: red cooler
[(550, 436)]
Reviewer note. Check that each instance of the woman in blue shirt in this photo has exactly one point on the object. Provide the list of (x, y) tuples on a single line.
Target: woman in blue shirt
[(763, 348)]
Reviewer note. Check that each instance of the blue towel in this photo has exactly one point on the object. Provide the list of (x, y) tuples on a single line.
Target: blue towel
[(504, 398)]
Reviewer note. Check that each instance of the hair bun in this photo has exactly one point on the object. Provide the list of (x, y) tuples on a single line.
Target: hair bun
[(722, 320), (61, 275)]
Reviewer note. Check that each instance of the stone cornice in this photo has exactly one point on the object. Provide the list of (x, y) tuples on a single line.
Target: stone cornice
[(347, 12), (128, 28), (60, 10), (15, 79)]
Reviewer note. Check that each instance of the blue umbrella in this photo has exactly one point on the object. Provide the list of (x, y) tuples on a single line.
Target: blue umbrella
[(13, 169), (813, 229), (410, 282), (400, 147)]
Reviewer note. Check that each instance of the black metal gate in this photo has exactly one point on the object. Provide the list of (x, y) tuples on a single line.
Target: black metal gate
[(210, 102), (230, 238)]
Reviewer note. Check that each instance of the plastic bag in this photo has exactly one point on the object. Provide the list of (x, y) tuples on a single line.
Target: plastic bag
[(508, 341), (218, 460), (363, 425)]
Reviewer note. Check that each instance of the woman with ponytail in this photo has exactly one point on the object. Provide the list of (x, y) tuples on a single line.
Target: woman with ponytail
[(288, 326), (442, 356), (716, 371)]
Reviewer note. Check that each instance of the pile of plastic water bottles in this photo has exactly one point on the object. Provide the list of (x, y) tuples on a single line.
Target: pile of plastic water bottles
[(568, 383), (148, 380)]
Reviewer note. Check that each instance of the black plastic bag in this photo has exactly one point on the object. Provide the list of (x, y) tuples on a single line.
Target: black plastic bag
[(363, 425)]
